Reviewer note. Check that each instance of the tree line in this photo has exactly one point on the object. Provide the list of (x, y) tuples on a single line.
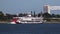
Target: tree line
[(8, 17)]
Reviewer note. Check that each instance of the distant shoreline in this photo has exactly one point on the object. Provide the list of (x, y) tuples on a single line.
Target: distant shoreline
[(6, 22)]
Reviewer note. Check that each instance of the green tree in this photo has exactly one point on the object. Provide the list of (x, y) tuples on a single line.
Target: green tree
[(1, 13), (39, 15), (58, 16), (46, 15)]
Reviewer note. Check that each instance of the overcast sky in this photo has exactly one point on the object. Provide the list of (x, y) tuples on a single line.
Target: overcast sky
[(18, 6)]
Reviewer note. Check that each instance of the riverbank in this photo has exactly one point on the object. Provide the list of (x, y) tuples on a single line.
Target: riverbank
[(4, 22)]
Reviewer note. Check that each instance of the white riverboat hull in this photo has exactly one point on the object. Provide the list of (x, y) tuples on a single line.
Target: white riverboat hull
[(28, 20)]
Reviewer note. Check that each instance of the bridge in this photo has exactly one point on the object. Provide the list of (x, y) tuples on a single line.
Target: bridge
[(48, 8)]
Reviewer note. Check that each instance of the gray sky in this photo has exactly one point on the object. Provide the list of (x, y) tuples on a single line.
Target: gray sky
[(18, 6)]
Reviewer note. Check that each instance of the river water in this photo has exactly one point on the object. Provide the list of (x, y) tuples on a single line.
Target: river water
[(30, 28)]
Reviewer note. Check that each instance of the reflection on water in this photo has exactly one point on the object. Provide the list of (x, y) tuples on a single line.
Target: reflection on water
[(30, 29)]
